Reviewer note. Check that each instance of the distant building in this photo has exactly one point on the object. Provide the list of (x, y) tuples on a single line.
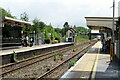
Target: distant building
[(71, 35)]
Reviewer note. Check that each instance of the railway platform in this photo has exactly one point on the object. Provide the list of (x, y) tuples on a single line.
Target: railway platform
[(7, 56), (24, 49), (94, 65)]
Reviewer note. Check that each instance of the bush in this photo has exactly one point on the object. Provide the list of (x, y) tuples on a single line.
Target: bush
[(54, 41), (14, 57), (61, 56), (58, 39), (75, 50), (47, 41), (72, 62), (55, 56)]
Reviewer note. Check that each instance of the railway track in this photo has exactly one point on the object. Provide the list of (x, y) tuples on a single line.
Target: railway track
[(27, 62), (46, 75), (24, 63)]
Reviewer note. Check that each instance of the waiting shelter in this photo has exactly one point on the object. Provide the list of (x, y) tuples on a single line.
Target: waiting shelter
[(12, 31), (104, 25)]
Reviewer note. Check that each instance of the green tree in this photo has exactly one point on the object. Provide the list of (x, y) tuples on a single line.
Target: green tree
[(65, 28), (58, 36), (38, 25), (41, 26), (24, 16), (63, 31), (82, 30), (26, 28), (52, 34), (47, 37), (49, 28), (66, 24), (82, 34), (6, 13), (58, 30)]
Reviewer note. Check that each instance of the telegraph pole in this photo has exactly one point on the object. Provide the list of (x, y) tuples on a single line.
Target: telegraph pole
[(113, 35), (113, 38)]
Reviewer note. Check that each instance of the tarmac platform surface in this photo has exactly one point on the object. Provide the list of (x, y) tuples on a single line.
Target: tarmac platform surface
[(94, 65)]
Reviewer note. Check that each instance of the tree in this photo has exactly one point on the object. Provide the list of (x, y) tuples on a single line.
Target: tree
[(49, 27), (26, 28), (82, 30), (47, 37), (58, 30), (74, 26), (52, 34), (4, 13), (41, 26), (66, 24), (57, 36), (81, 34), (24, 16), (38, 25), (63, 31)]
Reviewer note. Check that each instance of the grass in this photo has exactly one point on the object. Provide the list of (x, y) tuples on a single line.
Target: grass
[(81, 39), (72, 62), (47, 68), (55, 56), (14, 57), (61, 56), (74, 50)]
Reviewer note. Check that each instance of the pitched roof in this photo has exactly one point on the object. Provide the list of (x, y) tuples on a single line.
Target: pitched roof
[(73, 30), (16, 20)]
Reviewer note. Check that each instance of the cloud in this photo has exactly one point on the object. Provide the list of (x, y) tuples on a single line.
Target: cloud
[(58, 12)]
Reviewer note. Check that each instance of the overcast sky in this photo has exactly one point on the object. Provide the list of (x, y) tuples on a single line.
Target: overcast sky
[(57, 12)]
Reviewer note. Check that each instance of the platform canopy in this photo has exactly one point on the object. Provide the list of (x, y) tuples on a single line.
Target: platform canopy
[(103, 24), (12, 21)]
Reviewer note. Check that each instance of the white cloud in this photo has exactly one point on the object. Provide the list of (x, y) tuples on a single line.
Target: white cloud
[(59, 11)]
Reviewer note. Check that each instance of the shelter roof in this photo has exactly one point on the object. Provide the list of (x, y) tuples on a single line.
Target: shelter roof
[(8, 19), (100, 23)]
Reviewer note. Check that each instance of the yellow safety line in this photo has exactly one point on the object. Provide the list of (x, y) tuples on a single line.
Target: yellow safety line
[(95, 66)]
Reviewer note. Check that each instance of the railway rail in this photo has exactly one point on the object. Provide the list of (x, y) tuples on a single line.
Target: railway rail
[(27, 62), (56, 67)]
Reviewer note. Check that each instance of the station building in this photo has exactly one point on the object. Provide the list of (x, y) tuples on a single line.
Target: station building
[(71, 35)]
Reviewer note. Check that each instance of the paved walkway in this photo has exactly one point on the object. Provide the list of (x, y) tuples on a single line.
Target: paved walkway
[(23, 49), (93, 65), (106, 69)]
